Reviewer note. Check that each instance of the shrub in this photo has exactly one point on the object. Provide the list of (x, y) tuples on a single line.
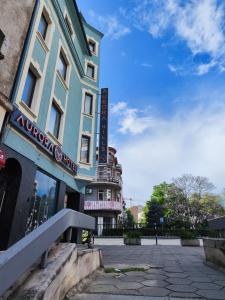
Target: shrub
[(187, 234)]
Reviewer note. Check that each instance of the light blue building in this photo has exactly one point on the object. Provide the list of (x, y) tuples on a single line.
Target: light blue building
[(50, 138)]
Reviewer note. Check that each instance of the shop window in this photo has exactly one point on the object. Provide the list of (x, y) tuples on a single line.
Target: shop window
[(88, 100), (54, 122), (43, 26), (92, 46), (44, 201), (85, 149), (100, 195), (28, 91), (62, 65), (90, 71)]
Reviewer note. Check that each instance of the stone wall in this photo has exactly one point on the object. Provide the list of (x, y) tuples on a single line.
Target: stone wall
[(66, 268), (215, 251)]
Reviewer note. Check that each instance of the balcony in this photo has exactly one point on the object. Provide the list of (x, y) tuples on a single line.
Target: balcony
[(112, 180), (103, 205)]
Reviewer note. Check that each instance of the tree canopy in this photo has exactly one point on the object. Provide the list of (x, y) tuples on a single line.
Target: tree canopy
[(187, 200)]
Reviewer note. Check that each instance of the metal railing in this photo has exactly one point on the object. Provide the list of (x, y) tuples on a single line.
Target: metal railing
[(22, 255), (109, 179)]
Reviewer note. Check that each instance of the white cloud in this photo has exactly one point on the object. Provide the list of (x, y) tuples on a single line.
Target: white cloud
[(199, 23), (191, 141), (132, 120), (110, 25)]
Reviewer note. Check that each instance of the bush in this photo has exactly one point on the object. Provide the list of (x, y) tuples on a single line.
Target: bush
[(187, 234)]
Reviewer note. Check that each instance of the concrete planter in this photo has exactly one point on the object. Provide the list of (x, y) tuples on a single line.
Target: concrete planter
[(190, 243), (132, 241), (215, 251)]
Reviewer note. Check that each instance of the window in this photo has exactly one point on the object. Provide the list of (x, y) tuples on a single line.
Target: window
[(44, 201), (68, 24), (100, 195), (28, 91), (62, 65), (43, 26), (54, 122), (92, 46), (88, 104), (85, 149), (90, 71), (108, 195)]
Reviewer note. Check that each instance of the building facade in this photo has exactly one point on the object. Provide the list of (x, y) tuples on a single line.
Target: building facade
[(137, 212), (103, 199), (12, 40), (50, 137)]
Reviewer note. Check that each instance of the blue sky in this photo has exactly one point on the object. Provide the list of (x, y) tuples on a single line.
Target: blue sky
[(164, 63)]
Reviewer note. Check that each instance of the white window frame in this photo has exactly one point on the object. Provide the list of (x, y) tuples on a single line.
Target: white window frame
[(89, 62), (46, 43), (33, 109), (96, 53), (59, 106), (65, 81)]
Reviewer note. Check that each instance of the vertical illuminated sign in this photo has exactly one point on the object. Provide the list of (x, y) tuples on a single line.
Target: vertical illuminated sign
[(103, 138)]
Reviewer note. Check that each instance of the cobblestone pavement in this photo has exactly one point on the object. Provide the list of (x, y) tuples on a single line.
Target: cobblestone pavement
[(174, 272)]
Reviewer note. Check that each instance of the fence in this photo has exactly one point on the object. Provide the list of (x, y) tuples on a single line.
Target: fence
[(117, 230)]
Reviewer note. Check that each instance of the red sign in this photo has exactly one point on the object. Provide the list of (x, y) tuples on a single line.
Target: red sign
[(102, 205), (2, 159)]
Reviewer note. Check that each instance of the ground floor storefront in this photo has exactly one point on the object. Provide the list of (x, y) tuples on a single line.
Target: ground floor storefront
[(29, 195)]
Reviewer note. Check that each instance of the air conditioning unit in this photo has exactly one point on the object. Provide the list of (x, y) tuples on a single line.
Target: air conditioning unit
[(89, 191)]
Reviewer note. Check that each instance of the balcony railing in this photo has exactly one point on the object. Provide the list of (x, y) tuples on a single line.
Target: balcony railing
[(103, 205), (109, 179)]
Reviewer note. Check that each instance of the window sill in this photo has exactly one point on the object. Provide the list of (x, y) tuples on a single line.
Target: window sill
[(43, 42), (87, 115), (28, 109), (62, 80), (85, 163), (53, 138), (91, 78)]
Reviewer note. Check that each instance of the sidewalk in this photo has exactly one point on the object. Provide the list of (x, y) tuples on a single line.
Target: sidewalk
[(173, 272)]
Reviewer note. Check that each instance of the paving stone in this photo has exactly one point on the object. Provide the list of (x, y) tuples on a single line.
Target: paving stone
[(173, 270), (134, 273), (220, 282), (126, 292), (156, 283), (111, 281), (155, 277), (155, 271), (206, 286), (106, 288), (129, 285), (179, 281), (200, 279), (153, 291), (177, 275), (184, 295), (181, 288), (132, 279), (214, 294)]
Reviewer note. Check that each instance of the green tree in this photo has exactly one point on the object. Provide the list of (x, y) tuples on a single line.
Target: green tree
[(130, 221)]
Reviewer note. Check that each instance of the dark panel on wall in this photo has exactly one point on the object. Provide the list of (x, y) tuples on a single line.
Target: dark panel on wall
[(22, 207)]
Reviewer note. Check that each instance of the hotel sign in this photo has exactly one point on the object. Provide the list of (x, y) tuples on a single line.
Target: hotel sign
[(30, 130), (102, 205), (103, 138)]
